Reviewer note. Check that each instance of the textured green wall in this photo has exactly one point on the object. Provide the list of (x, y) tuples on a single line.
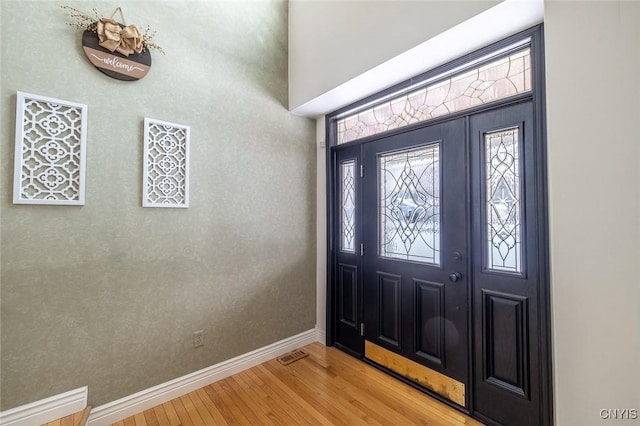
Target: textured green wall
[(108, 294)]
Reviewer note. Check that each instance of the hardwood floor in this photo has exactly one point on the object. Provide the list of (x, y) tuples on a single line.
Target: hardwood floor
[(326, 387)]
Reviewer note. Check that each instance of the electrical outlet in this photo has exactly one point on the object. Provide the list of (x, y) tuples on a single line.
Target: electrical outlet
[(198, 338)]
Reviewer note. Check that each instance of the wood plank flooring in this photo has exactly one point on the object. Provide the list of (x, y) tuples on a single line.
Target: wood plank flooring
[(326, 388)]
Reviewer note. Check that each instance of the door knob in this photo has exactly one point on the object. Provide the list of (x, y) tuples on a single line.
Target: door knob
[(455, 277)]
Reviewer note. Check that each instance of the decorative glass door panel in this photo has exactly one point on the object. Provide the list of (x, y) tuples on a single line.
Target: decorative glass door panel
[(501, 78), (347, 206), (502, 194), (410, 204)]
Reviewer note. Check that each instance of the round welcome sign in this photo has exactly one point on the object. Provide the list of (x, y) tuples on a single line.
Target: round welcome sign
[(114, 64)]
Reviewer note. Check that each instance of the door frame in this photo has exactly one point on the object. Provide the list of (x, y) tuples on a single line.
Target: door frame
[(537, 96)]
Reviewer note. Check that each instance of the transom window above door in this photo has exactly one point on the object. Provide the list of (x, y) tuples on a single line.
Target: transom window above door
[(468, 86)]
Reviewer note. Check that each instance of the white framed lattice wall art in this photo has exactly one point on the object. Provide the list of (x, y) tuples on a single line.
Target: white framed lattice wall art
[(50, 151), (166, 164)]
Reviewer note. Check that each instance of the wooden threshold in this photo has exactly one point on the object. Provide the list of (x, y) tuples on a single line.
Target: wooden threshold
[(430, 379)]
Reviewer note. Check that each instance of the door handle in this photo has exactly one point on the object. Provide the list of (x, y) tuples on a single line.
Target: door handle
[(455, 277)]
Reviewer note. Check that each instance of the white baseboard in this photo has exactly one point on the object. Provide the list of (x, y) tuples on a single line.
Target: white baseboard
[(148, 398), (46, 410)]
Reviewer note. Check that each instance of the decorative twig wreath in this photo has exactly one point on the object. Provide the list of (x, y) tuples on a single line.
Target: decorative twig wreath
[(118, 50)]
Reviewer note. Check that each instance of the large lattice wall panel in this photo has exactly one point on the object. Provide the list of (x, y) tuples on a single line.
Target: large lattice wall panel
[(50, 151), (166, 164)]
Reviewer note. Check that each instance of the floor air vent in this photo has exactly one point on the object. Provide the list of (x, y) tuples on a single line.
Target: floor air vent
[(292, 356)]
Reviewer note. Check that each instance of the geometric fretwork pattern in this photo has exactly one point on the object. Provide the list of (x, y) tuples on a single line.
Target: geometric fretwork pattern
[(49, 151), (503, 203), (166, 164), (410, 204), (348, 206), (502, 78)]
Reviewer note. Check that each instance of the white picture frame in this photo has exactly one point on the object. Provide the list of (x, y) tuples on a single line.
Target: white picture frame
[(50, 151), (165, 177)]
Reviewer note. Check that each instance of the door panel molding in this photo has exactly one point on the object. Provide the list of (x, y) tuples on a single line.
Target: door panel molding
[(389, 309), (505, 341), (429, 319), (347, 295)]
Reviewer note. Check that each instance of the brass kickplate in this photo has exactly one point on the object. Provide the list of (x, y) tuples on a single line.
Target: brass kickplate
[(292, 356)]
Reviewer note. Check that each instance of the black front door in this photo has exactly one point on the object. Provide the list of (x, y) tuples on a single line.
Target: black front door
[(438, 260), (415, 279)]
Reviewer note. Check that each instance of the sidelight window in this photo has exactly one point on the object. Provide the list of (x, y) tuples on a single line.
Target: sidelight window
[(503, 200), (347, 206)]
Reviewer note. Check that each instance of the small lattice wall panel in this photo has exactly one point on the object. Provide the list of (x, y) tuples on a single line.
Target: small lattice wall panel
[(166, 164), (51, 138)]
